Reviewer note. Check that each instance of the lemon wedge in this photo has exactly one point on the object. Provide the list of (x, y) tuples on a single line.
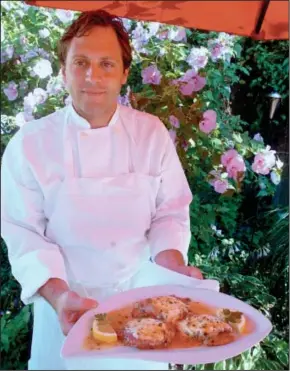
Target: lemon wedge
[(234, 318), (102, 330)]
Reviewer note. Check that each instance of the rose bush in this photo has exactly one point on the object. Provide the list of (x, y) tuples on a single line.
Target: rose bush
[(184, 77)]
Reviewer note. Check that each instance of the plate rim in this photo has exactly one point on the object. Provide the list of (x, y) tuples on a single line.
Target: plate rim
[(95, 354)]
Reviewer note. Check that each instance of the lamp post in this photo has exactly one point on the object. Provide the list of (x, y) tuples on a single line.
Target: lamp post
[(275, 99)]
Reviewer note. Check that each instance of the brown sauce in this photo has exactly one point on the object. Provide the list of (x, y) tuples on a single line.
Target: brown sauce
[(118, 318)]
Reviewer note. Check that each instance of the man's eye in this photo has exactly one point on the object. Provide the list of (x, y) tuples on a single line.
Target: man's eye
[(80, 63), (108, 64)]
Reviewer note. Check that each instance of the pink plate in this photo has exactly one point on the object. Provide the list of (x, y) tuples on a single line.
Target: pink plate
[(73, 345)]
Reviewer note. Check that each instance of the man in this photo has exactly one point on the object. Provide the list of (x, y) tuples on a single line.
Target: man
[(90, 191)]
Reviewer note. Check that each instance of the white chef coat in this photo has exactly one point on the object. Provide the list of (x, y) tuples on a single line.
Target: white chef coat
[(34, 169)]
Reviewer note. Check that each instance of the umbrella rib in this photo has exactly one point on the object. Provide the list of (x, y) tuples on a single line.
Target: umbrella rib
[(262, 15)]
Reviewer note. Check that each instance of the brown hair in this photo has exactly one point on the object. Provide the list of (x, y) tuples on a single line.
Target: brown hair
[(85, 22)]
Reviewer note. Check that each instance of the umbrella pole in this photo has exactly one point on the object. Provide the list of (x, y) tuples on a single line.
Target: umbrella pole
[(262, 15)]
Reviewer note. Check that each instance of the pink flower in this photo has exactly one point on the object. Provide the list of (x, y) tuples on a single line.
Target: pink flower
[(11, 91), (189, 74), (221, 47), (221, 185), (174, 121), (178, 34), (208, 123), (264, 161), (233, 162), (172, 134), (151, 75), (219, 181), (190, 82), (228, 156), (162, 35), (236, 166)]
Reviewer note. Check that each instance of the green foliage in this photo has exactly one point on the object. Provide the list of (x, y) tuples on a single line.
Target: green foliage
[(15, 339)]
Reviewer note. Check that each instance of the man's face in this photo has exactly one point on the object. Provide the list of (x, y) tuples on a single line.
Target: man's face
[(94, 71)]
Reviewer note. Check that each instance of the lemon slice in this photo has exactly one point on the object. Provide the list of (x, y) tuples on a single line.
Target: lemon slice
[(102, 330), (234, 318)]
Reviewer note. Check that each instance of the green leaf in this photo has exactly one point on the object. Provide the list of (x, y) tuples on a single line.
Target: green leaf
[(220, 365), (283, 356), (262, 193)]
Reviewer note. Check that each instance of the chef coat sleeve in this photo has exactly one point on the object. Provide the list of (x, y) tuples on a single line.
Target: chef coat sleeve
[(170, 227), (34, 258)]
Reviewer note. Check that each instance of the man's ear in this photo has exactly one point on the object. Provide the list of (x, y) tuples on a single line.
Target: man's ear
[(125, 76)]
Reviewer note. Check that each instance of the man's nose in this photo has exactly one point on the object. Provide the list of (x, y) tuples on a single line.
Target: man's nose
[(94, 73)]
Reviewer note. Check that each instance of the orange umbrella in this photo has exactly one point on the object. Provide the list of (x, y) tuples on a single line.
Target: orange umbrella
[(263, 20)]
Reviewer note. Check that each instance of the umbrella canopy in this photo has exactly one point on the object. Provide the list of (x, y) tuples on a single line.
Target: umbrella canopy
[(263, 20)]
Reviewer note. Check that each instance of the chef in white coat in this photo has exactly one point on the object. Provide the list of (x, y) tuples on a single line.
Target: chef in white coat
[(90, 193)]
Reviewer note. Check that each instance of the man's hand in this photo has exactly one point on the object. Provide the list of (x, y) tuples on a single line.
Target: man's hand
[(173, 259), (68, 305)]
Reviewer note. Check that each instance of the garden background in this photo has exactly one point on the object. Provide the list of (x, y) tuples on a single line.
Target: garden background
[(211, 91)]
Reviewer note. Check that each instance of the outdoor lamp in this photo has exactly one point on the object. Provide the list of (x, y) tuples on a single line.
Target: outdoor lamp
[(275, 99)]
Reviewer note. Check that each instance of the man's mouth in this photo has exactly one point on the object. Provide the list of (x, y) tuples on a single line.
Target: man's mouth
[(93, 92)]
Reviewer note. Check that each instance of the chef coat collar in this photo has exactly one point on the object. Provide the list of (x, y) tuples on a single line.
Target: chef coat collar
[(83, 123)]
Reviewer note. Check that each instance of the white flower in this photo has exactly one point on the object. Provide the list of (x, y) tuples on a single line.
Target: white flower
[(9, 50), (279, 164), (20, 12), (40, 95), (2, 33), (19, 119), (65, 16), (275, 177), (7, 5), (44, 33), (226, 39), (22, 117), (219, 233), (153, 28), (55, 85), (68, 100), (127, 23), (29, 102), (198, 57), (43, 68)]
